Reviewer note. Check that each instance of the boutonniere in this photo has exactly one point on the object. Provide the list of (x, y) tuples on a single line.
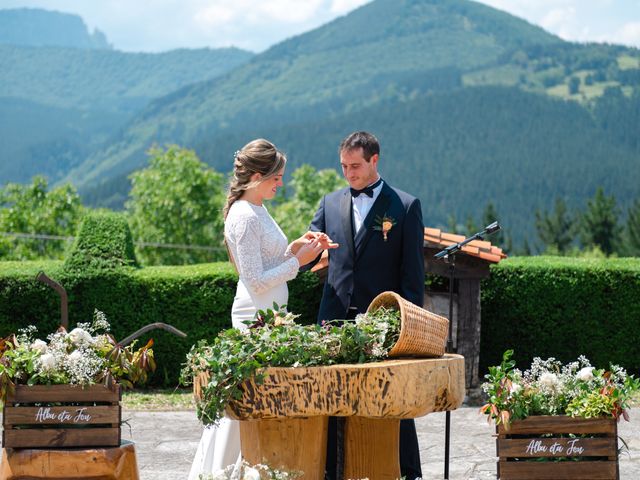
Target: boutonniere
[(384, 224)]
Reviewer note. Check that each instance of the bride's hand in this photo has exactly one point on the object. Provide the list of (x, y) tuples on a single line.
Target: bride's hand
[(308, 252), (323, 238)]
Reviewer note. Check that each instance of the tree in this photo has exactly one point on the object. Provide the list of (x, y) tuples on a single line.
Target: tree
[(294, 213), (33, 209), (557, 229), (632, 233), (574, 85), (599, 225), (177, 200)]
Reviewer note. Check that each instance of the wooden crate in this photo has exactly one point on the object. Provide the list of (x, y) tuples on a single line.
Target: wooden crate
[(55, 416), (591, 452)]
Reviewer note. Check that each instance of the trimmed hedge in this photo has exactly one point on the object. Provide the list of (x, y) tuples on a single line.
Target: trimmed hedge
[(195, 299), (562, 307), (103, 242)]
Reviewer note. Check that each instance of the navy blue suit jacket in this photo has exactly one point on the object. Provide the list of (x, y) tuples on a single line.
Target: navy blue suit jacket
[(364, 266)]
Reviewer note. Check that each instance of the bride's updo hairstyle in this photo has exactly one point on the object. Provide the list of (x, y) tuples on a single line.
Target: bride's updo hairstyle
[(258, 156)]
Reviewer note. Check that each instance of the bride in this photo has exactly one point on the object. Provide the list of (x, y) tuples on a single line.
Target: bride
[(258, 248)]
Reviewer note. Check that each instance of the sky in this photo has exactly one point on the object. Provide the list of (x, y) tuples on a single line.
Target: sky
[(161, 25)]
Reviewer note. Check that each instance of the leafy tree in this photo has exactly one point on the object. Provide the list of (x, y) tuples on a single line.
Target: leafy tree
[(177, 200), (556, 229), (33, 209), (632, 233), (599, 225), (294, 213)]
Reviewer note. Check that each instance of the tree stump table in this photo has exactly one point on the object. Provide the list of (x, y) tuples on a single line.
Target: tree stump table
[(283, 421), (111, 463)]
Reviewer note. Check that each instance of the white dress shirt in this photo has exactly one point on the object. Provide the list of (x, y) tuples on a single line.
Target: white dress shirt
[(361, 205)]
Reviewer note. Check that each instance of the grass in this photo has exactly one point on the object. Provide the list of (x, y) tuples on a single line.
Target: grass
[(158, 400)]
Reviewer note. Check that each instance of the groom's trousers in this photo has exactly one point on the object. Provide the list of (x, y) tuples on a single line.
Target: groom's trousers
[(409, 450)]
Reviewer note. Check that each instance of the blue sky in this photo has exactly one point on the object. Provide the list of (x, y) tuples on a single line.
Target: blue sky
[(160, 25)]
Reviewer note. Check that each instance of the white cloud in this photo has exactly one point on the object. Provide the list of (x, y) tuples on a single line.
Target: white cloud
[(629, 34)]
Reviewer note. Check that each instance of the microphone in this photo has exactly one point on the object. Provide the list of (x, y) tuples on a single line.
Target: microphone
[(494, 227)]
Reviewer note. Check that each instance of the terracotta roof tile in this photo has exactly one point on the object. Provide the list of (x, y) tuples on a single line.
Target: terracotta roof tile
[(477, 248)]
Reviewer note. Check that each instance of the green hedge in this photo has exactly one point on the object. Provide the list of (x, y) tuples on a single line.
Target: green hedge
[(540, 306), (562, 307), (195, 299)]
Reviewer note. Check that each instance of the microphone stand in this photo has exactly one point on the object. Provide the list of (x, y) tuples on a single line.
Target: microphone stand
[(449, 256)]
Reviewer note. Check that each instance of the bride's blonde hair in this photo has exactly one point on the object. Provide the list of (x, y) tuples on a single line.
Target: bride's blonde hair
[(258, 156)]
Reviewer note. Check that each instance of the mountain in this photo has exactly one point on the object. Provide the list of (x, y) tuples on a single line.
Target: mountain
[(38, 28), (59, 104), (471, 105), (376, 52)]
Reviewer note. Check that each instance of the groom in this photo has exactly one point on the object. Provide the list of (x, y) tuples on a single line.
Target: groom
[(380, 233)]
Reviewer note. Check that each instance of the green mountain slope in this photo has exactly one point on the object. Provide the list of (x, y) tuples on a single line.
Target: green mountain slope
[(36, 28), (352, 62), (69, 101)]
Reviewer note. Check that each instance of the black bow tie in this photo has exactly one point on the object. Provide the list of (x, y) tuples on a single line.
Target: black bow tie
[(368, 191)]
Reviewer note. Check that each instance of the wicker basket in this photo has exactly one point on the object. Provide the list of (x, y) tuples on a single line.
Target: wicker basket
[(422, 333)]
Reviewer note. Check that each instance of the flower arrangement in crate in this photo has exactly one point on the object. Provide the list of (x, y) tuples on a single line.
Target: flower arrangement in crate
[(557, 412), (73, 379), (576, 389)]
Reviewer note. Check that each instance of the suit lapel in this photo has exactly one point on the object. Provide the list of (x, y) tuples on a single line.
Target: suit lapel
[(345, 215), (378, 209)]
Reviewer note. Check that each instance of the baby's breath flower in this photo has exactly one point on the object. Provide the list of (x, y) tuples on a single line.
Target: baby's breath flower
[(585, 374)]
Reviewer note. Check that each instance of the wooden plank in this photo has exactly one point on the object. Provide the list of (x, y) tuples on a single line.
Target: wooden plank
[(61, 415), (568, 470), (559, 424), (61, 437), (63, 393), (557, 447)]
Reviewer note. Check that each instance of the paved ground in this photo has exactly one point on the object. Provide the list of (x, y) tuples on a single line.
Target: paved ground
[(167, 441)]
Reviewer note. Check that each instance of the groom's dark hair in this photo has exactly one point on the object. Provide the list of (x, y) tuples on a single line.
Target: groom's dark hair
[(364, 140)]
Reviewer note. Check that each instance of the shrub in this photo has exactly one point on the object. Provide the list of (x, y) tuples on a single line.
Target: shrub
[(562, 307)]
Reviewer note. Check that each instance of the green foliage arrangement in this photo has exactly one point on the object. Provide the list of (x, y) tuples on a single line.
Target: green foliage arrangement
[(534, 304), (103, 243), (273, 339), (86, 355), (550, 388)]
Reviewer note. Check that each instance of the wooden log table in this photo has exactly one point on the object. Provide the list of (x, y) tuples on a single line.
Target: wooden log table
[(110, 463), (284, 420)]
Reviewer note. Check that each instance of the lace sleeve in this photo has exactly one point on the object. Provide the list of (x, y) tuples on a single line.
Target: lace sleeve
[(249, 262)]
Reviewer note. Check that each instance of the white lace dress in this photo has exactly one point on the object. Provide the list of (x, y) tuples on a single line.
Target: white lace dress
[(265, 264)]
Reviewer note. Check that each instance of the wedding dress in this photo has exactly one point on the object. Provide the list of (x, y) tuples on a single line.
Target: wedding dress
[(265, 263)]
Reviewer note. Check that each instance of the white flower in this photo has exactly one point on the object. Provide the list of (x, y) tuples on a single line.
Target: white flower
[(79, 336), (75, 356), (548, 380), (251, 474), (585, 374), (515, 388), (47, 362), (39, 346)]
